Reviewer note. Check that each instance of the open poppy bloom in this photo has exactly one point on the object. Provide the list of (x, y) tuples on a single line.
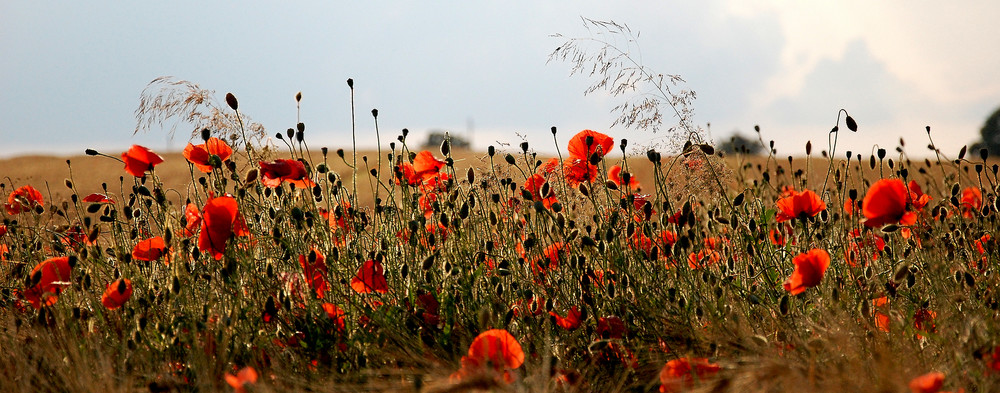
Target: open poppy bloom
[(886, 203), (599, 143), (809, 270), (572, 320), (139, 159), (703, 258), (680, 374), (336, 314), (97, 198), (534, 186), (370, 278), (246, 376), (799, 205), (549, 166), (615, 175), (495, 350), (425, 165), (927, 383), (273, 173), (610, 327), (917, 196), (117, 293), (150, 249), (218, 220), (23, 199), (923, 321), (199, 155), (315, 270), (971, 201), (49, 278), (578, 171)]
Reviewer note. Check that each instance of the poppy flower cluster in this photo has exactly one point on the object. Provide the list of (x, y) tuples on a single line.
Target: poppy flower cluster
[(495, 351)]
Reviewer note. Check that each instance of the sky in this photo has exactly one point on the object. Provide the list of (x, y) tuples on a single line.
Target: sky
[(71, 73)]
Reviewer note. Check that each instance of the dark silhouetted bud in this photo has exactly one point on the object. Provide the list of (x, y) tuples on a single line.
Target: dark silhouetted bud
[(91, 152), (961, 153), (491, 151), (205, 134), (231, 100), (553, 130), (375, 113), (350, 83), (509, 158), (445, 147), (851, 124)]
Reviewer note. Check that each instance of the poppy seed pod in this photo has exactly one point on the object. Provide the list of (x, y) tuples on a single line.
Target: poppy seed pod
[(231, 100), (851, 124), (350, 83)]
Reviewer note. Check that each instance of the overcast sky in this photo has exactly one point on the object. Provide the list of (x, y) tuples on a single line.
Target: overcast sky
[(71, 73)]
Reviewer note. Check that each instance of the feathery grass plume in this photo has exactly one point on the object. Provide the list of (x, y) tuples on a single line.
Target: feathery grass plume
[(170, 101)]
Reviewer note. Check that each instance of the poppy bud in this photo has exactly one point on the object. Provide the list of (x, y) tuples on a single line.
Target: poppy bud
[(205, 134), (231, 100), (961, 153), (91, 152), (595, 158), (553, 130), (290, 132), (851, 124), (445, 148), (509, 158), (298, 97), (809, 147), (340, 153)]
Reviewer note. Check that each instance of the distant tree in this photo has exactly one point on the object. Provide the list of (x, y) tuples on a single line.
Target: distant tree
[(990, 133), (742, 145)]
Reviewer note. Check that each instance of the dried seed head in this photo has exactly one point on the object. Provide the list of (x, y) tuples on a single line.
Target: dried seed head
[(231, 100)]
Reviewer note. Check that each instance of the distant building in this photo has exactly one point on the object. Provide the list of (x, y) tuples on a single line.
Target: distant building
[(436, 137)]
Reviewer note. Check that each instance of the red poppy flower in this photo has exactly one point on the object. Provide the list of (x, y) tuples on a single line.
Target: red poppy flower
[(431, 308), (799, 205), (139, 159), (315, 272), (273, 173), (246, 376), (881, 319), (49, 278), (703, 259), (549, 166), (917, 196), (150, 249), (496, 349), (199, 155), (192, 219), (809, 270), (615, 175), (927, 383), (610, 327), (850, 206), (579, 171), (97, 198), (425, 165), (336, 314), (534, 186), (552, 254), (572, 319), (117, 293), (370, 278), (971, 201), (885, 203), (23, 199), (679, 374), (217, 221), (599, 143), (923, 321)]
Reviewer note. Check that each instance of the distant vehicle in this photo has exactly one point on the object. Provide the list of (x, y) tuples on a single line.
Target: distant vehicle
[(436, 137)]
